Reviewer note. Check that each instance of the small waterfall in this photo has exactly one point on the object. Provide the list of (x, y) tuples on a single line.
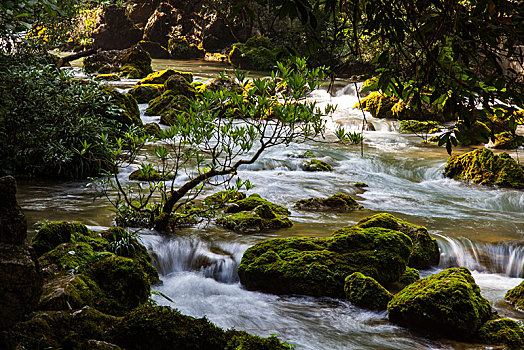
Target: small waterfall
[(217, 261), (506, 258)]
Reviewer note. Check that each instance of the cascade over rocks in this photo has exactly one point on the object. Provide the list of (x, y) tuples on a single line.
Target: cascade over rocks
[(116, 31), (483, 167), (20, 279), (447, 304)]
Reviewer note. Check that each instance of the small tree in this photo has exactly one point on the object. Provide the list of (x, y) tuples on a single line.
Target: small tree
[(219, 132)]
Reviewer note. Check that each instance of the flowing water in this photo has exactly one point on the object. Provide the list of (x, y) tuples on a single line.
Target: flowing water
[(478, 227)]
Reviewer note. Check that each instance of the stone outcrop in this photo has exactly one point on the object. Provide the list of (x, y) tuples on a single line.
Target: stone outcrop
[(20, 279), (116, 31), (161, 23)]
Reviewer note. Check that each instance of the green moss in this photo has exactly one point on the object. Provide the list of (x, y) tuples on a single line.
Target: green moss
[(378, 104), (149, 174), (178, 85), (146, 92), (164, 328), (339, 201), (180, 48), (506, 140), (483, 167), (70, 291), (160, 77), (152, 129), (130, 114), (253, 201), (261, 218), (224, 197), (447, 304), (360, 184), (365, 292), (167, 102), (137, 59), (502, 331), (224, 82), (52, 234), (318, 267), (425, 251), (123, 282), (316, 165), (419, 127), (515, 296), (68, 257), (107, 77)]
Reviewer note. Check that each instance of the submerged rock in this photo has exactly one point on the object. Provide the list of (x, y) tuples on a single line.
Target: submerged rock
[(447, 304), (339, 201), (483, 167), (425, 251), (365, 292), (319, 267), (502, 331)]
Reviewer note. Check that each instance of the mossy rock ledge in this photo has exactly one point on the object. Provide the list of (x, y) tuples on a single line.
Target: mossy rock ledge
[(447, 304), (425, 251), (254, 214), (483, 167), (319, 266), (339, 201)]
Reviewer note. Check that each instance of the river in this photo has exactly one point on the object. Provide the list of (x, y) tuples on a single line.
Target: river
[(478, 227)]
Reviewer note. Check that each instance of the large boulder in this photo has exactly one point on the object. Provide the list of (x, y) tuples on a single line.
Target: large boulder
[(181, 48), (20, 278), (116, 31), (365, 292), (448, 304), (167, 102), (483, 167), (53, 234), (160, 25), (146, 92), (130, 113), (319, 266), (155, 50), (502, 331), (133, 63), (139, 11), (425, 251)]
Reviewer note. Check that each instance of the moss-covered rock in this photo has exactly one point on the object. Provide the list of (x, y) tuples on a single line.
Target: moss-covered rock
[(130, 113), (146, 92), (77, 329), (316, 165), (319, 267), (154, 49), (382, 106), (502, 331), (160, 77), (258, 53), (152, 129), (224, 82), (425, 251), (52, 234), (224, 197), (419, 127), (149, 174), (68, 258), (253, 201), (123, 282), (365, 292), (261, 218), (361, 184), (165, 328), (178, 85), (107, 77), (70, 292), (483, 167), (448, 304), (133, 62), (339, 201), (168, 102), (506, 140), (180, 48), (515, 296)]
